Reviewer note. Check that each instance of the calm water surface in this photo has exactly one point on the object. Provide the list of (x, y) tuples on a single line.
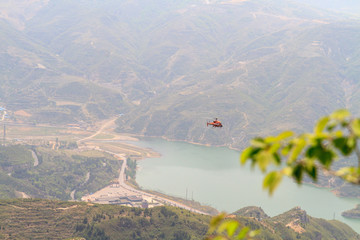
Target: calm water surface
[(213, 176)]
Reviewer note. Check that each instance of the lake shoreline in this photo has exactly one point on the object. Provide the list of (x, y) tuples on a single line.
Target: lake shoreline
[(334, 191), (184, 176)]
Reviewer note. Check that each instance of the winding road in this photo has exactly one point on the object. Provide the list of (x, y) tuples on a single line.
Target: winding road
[(122, 187)]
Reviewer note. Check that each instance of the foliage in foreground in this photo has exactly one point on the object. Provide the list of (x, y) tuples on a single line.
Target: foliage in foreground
[(333, 136), (222, 228)]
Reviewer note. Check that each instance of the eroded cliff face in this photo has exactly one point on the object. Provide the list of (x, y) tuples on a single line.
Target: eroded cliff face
[(298, 219)]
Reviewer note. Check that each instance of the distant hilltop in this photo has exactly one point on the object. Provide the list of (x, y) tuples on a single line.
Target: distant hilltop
[(24, 219), (353, 213)]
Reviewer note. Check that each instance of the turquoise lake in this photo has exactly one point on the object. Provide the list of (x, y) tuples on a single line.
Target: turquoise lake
[(213, 176)]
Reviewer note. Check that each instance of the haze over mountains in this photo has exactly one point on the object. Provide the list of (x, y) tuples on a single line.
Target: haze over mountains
[(169, 66)]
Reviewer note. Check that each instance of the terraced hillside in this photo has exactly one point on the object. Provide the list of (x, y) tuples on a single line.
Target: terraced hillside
[(49, 219)]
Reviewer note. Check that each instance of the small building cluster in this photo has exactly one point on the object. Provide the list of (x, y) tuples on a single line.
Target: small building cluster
[(131, 201)]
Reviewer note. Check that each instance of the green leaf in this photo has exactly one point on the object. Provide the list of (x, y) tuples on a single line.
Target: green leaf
[(284, 135), (343, 171), (331, 126), (274, 147), (350, 174), (263, 159), (245, 155), (287, 171), (296, 150), (355, 126), (326, 157), (270, 139), (215, 222), (242, 233), (251, 153), (272, 180), (321, 124), (338, 134), (298, 173), (232, 227), (285, 151), (254, 233), (223, 226), (345, 145), (312, 151), (311, 170), (258, 142), (351, 143), (277, 158), (340, 114)]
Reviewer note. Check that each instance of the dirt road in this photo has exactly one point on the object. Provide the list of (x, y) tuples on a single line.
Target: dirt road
[(121, 189)]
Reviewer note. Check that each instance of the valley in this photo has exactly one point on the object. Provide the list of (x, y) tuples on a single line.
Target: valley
[(183, 66), (103, 140), (90, 89), (95, 143)]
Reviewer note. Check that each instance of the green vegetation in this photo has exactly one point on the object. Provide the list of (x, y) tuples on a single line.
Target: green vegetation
[(253, 212), (130, 171), (57, 173), (25, 219), (253, 223), (309, 153), (67, 69), (64, 69), (15, 157), (274, 65), (52, 219)]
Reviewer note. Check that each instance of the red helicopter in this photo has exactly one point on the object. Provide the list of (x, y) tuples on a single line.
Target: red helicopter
[(215, 123)]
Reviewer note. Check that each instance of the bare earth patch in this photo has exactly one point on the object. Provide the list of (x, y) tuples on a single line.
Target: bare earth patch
[(22, 113), (21, 194), (294, 225)]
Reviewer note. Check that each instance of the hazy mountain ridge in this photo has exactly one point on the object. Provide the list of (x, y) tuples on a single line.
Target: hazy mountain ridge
[(254, 78), (18, 12), (260, 66), (351, 7), (34, 79)]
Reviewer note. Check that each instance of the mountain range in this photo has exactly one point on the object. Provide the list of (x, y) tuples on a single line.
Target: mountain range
[(165, 68), (169, 67)]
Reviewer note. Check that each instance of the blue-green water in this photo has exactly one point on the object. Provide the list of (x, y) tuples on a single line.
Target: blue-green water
[(214, 176)]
